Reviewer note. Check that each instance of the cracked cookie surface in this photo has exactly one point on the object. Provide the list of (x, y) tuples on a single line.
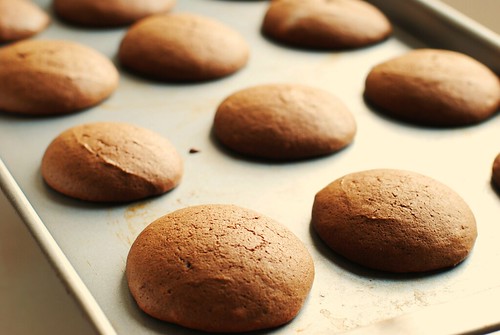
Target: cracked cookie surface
[(394, 220), (219, 268), (111, 162)]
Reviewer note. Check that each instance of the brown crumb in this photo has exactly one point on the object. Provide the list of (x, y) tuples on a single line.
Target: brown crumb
[(194, 151)]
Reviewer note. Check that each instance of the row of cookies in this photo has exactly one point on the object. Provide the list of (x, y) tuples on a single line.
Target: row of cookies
[(223, 268), (43, 77), (430, 87), (185, 47), (259, 306), (104, 143), (389, 220), (304, 24), (273, 121), (22, 19)]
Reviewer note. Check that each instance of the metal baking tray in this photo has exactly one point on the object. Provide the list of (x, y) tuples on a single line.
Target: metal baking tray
[(88, 243)]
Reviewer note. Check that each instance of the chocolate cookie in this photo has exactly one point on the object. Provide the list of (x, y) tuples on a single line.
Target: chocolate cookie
[(496, 172), (325, 24), (393, 220), (219, 268), (434, 88), (284, 122), (20, 19), (42, 77), (111, 162), (109, 13), (182, 47)]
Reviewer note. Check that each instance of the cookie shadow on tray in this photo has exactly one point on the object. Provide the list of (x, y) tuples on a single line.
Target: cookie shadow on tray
[(10, 116), (136, 77), (365, 272), (386, 117), (398, 33), (495, 187)]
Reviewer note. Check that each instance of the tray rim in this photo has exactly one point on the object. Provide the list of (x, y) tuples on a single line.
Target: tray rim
[(445, 26), (51, 250), (480, 43)]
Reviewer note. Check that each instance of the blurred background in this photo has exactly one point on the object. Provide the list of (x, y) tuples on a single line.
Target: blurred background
[(486, 12)]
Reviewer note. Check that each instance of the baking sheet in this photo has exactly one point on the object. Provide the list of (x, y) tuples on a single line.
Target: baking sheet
[(88, 243)]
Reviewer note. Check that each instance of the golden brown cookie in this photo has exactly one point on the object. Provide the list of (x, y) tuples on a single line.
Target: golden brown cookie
[(111, 162), (434, 88), (20, 19), (42, 77), (284, 122), (219, 268), (109, 13), (394, 220), (182, 47), (325, 24), (495, 176)]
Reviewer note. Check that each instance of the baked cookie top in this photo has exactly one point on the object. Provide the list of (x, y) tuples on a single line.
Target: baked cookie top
[(42, 77), (394, 220), (111, 162), (183, 47), (21, 19), (434, 87), (284, 122), (219, 268), (325, 24)]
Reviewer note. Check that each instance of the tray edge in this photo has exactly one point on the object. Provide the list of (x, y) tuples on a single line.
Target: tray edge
[(445, 27), (59, 262)]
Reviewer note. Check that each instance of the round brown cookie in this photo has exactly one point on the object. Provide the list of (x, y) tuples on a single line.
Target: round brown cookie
[(393, 220), (325, 24), (496, 172), (42, 77), (434, 88), (20, 19), (219, 268), (182, 47), (109, 13), (284, 122), (111, 162)]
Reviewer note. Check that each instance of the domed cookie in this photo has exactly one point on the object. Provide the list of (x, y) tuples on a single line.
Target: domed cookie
[(219, 268), (325, 24), (42, 77), (182, 47), (284, 122), (20, 19), (109, 13), (111, 162), (434, 88), (496, 172), (393, 220)]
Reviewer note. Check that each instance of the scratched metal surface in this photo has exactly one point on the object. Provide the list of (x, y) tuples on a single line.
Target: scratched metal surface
[(96, 238)]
